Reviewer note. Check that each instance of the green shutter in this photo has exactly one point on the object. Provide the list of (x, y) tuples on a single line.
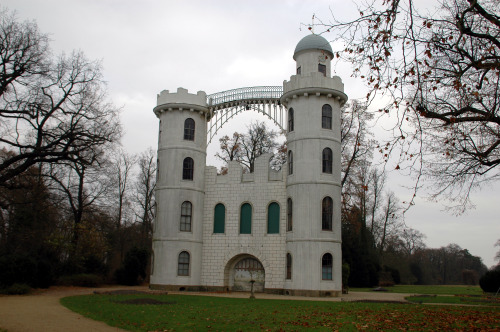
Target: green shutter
[(219, 218), (246, 219), (273, 219)]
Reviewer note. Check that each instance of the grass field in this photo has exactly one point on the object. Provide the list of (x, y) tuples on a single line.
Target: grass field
[(195, 313), (449, 299), (429, 289)]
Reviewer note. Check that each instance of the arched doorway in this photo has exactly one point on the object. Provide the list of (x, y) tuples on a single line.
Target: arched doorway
[(241, 270)]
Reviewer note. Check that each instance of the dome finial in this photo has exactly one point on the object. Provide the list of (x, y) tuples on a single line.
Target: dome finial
[(311, 27)]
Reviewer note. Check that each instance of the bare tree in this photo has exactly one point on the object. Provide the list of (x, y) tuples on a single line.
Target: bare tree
[(230, 147), (144, 194), (23, 52), (497, 255), (412, 240), (80, 184), (50, 111), (258, 140), (377, 183), (280, 157), (357, 147), (357, 144), (120, 172), (245, 148), (388, 224), (441, 71)]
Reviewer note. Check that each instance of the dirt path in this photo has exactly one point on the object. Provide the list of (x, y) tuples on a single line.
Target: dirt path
[(42, 311)]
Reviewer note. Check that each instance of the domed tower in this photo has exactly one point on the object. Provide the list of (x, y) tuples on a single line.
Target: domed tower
[(313, 240), (180, 189)]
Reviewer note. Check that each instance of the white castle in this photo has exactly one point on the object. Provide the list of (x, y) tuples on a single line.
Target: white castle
[(273, 231)]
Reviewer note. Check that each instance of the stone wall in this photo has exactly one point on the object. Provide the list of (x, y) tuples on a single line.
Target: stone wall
[(222, 251)]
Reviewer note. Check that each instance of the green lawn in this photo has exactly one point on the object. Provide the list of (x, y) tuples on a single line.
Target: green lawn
[(194, 313), (447, 299), (428, 289)]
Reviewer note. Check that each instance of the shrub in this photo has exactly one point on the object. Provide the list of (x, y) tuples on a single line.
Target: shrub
[(45, 274), (134, 267), (490, 281), (17, 269), (346, 271), (83, 280), (93, 264), (16, 289)]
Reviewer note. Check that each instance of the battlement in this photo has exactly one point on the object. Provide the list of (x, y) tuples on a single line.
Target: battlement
[(262, 173), (316, 80), (182, 96), (313, 84)]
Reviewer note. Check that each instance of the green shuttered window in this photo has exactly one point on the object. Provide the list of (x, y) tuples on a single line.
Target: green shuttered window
[(246, 219), (273, 218), (219, 218)]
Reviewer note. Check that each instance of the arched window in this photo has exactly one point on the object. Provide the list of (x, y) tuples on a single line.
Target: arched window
[(187, 169), (326, 214), (289, 214), (186, 213), (290, 162), (327, 160), (273, 218), (290, 120), (288, 266), (326, 117), (189, 129), (219, 218), (326, 266), (183, 264), (246, 219)]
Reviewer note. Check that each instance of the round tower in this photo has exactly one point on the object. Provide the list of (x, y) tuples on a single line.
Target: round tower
[(180, 189), (313, 240)]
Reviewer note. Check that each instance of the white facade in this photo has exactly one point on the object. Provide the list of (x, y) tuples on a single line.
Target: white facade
[(218, 232)]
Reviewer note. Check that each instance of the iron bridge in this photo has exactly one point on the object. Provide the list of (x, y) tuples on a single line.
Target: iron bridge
[(223, 106)]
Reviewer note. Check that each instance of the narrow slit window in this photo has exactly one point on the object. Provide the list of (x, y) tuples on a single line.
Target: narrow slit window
[(289, 215), (288, 266)]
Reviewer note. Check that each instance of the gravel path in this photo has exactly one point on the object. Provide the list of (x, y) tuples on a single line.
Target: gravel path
[(42, 311)]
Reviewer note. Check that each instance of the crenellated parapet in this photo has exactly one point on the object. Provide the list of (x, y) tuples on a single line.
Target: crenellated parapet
[(181, 100), (313, 84), (262, 173)]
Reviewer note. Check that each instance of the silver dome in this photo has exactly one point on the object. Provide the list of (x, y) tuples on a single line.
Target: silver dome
[(313, 42)]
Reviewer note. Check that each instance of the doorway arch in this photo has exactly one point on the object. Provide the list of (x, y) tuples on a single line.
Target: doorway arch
[(239, 272)]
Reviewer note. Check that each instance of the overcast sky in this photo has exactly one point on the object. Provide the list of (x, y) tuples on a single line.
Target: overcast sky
[(150, 45)]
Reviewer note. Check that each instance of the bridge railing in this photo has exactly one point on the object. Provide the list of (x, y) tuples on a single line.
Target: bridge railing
[(249, 93)]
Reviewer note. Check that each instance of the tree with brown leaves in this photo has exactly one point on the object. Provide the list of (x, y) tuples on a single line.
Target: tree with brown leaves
[(441, 72)]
